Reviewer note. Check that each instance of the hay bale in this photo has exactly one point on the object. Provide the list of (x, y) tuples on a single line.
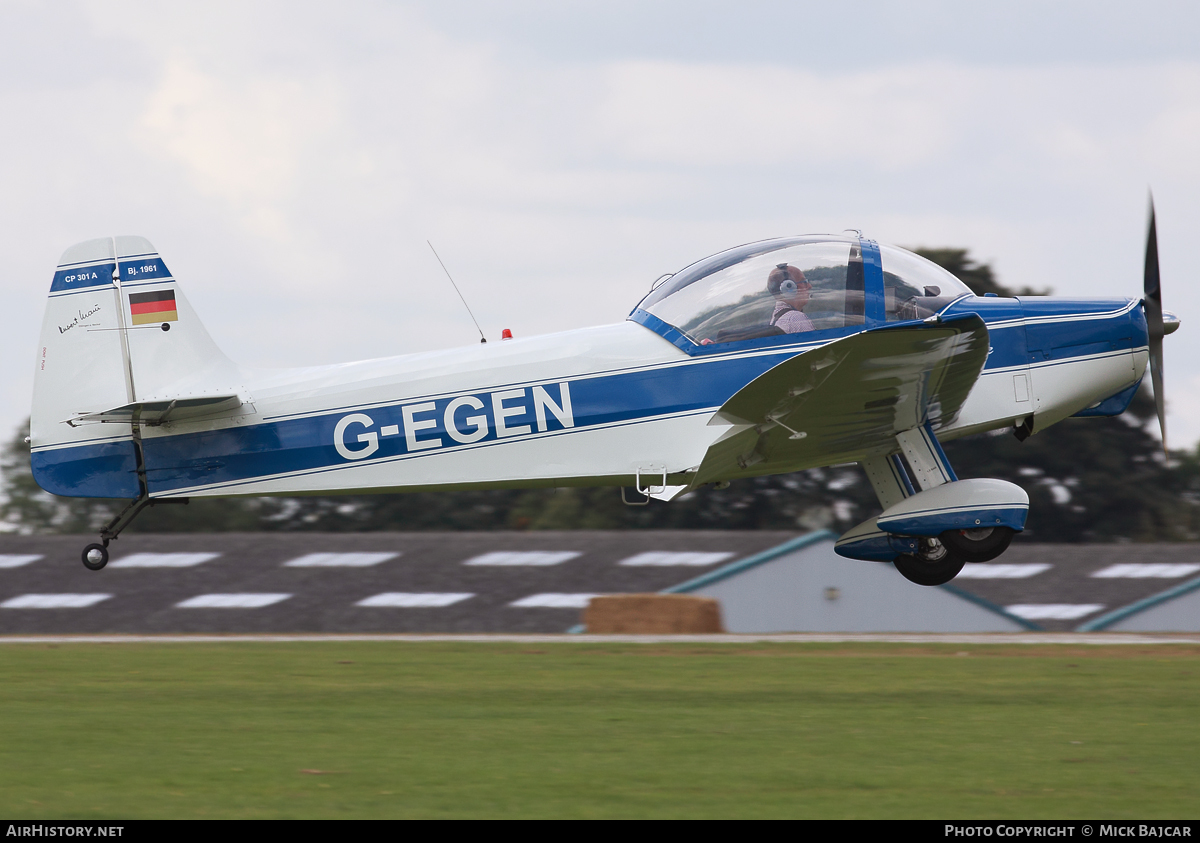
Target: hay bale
[(656, 614)]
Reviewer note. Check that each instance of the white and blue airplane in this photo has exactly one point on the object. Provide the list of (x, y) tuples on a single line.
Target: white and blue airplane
[(771, 357)]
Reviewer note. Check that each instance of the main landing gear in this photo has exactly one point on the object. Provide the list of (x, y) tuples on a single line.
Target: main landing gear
[(934, 521), (95, 556), (937, 561)]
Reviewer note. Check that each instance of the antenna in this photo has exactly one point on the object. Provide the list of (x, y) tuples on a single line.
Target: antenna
[(482, 338)]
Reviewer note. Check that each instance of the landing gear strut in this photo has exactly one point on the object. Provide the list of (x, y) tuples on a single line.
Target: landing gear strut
[(95, 556)]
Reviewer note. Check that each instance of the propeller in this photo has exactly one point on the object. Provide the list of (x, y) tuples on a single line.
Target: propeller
[(1152, 302)]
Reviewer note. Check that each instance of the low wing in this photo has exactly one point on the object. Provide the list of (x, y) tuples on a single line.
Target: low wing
[(847, 400)]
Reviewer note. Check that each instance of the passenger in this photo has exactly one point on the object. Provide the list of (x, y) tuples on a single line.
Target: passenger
[(791, 290)]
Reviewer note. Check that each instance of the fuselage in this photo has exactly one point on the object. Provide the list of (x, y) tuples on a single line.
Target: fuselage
[(598, 406)]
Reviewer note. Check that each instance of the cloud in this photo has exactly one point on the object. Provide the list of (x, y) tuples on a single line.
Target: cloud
[(246, 142), (712, 115)]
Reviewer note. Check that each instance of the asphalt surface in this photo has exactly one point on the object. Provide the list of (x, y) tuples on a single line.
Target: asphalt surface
[(324, 599), (424, 585)]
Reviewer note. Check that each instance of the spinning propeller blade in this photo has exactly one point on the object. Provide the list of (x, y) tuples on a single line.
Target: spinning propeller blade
[(1154, 322)]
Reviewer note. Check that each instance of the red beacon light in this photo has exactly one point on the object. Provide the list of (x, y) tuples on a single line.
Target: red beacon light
[(506, 334)]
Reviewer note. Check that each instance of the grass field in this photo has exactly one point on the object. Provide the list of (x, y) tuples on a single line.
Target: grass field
[(368, 729)]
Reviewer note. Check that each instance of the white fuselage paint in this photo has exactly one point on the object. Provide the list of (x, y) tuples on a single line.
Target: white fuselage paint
[(528, 385)]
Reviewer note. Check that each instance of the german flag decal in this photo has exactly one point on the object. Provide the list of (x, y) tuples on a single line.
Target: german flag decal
[(149, 308)]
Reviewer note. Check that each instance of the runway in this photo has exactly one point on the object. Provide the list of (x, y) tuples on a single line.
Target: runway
[(329, 583), (506, 583)]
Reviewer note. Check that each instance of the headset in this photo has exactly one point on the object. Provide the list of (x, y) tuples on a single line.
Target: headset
[(787, 287)]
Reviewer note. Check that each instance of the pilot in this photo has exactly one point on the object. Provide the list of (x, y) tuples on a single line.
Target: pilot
[(791, 290)]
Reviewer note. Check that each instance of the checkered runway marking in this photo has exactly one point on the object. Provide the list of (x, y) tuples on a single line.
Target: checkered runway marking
[(1053, 611), (339, 560), (16, 560), (162, 560), (412, 600), (1137, 571), (232, 601), (523, 557), (554, 601), (54, 601), (670, 557), (984, 571)]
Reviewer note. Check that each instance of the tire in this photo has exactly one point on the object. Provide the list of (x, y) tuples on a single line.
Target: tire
[(934, 564), (982, 545), (95, 557)]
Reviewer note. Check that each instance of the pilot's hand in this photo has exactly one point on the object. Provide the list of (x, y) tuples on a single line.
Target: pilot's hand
[(706, 341)]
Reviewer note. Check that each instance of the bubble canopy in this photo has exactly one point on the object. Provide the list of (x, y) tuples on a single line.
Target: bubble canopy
[(781, 290)]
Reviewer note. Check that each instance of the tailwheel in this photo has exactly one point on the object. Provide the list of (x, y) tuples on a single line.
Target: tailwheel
[(932, 564), (95, 557), (982, 544)]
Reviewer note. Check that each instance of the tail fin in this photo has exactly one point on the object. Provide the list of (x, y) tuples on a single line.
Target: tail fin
[(119, 339)]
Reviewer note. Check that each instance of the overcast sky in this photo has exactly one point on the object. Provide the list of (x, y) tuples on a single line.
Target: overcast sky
[(289, 160)]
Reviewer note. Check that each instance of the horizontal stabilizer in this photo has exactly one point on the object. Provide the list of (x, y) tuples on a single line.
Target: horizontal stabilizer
[(159, 412), (847, 400)]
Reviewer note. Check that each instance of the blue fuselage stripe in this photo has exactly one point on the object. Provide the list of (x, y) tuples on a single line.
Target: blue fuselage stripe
[(295, 445)]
